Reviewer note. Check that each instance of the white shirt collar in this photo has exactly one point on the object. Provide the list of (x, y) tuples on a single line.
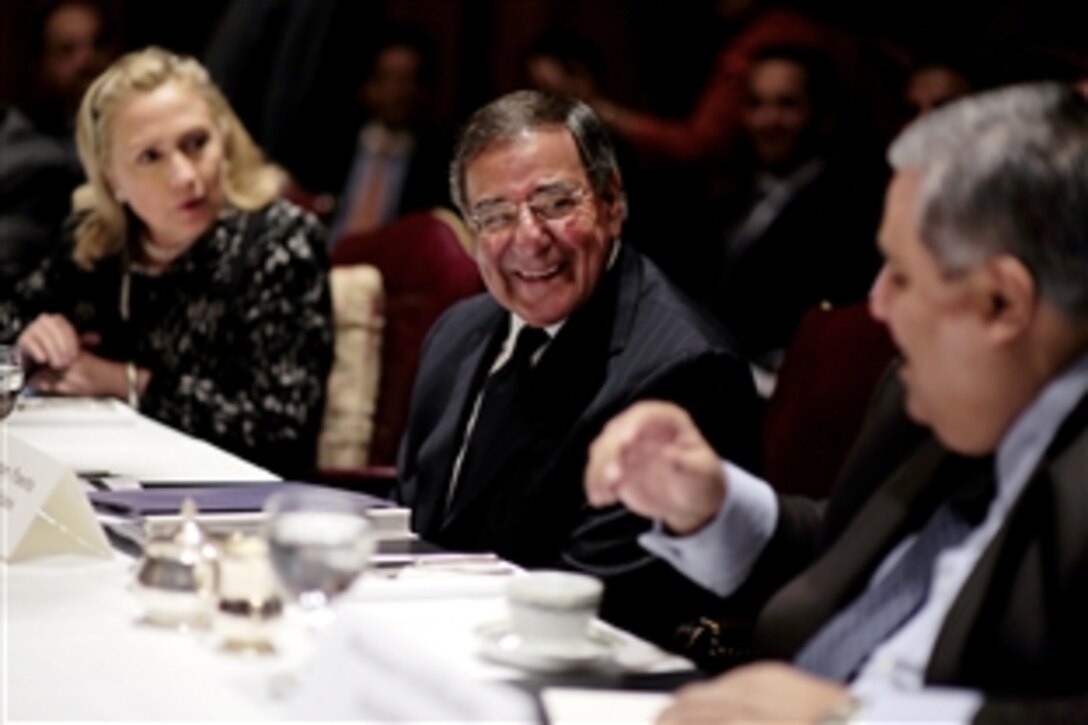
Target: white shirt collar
[(1031, 433), (517, 322), (377, 138), (802, 175)]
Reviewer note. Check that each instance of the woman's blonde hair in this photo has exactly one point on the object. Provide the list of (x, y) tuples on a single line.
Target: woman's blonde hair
[(249, 182)]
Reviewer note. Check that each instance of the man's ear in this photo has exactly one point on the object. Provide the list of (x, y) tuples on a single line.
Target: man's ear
[(616, 204), (1010, 297)]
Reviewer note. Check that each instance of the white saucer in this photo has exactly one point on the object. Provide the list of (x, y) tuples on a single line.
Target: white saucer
[(500, 643)]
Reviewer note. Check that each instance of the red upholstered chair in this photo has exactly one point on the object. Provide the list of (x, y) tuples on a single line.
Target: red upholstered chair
[(425, 267), (831, 366)]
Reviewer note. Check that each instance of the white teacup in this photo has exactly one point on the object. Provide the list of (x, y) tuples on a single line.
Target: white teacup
[(553, 609)]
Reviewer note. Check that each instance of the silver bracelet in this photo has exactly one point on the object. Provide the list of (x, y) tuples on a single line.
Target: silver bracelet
[(133, 385), (843, 713)]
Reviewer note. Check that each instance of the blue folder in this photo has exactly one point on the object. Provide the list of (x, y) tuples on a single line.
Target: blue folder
[(209, 498)]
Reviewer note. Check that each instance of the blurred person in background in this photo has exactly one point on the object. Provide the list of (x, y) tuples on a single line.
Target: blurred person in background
[(71, 42), (798, 230), (399, 158), (696, 160), (183, 286), (933, 83)]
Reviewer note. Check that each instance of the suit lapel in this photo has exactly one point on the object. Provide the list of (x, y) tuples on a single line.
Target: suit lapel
[(808, 601), (439, 453), (518, 436), (564, 383), (946, 665), (627, 294)]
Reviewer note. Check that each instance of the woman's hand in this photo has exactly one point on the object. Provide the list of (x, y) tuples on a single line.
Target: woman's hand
[(50, 341), (87, 375), (68, 368)]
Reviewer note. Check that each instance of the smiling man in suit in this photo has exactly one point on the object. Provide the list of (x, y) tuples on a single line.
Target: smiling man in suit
[(515, 384), (947, 579)]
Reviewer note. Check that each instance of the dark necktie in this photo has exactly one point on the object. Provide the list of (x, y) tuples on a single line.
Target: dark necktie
[(499, 406), (838, 650)]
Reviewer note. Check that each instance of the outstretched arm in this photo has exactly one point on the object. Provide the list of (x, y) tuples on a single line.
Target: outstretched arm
[(653, 459)]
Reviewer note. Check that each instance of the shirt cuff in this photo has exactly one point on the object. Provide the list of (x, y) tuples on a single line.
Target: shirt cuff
[(936, 705), (720, 555)]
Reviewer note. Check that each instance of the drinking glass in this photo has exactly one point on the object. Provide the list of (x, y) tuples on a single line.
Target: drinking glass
[(320, 540), (11, 379)]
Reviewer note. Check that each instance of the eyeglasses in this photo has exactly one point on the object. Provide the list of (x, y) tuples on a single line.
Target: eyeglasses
[(551, 204)]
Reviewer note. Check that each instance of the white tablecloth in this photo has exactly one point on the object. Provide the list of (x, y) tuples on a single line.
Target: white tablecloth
[(76, 649), (72, 646), (109, 437)]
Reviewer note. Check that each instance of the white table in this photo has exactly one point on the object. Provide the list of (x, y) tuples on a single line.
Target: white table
[(72, 647), (109, 437), (75, 649)]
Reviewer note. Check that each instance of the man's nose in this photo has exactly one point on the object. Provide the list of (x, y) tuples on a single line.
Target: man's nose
[(529, 231)]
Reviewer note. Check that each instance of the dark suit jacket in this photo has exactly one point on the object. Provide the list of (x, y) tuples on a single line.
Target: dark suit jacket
[(1019, 629), (637, 338), (426, 180), (821, 246), (38, 171)]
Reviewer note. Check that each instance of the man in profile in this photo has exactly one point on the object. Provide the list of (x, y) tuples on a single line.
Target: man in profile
[(514, 384), (947, 578)]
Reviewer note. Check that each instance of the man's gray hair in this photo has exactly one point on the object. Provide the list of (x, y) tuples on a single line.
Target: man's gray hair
[(515, 113), (1006, 172)]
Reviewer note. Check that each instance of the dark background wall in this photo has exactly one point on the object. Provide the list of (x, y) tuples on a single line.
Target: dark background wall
[(657, 52)]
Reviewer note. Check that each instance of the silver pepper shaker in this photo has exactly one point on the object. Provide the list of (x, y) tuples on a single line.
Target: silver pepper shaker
[(176, 576)]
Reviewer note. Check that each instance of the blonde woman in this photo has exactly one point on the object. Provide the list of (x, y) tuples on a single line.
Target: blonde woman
[(186, 287)]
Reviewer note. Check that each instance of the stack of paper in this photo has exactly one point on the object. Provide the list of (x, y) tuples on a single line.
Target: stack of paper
[(229, 506)]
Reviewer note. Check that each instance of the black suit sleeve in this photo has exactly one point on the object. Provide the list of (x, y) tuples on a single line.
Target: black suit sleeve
[(1069, 711), (404, 491), (806, 526), (718, 394)]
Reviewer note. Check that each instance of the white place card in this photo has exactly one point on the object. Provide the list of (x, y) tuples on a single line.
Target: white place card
[(43, 509), (569, 706)]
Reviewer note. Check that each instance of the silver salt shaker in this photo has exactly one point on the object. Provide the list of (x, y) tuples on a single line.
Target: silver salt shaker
[(249, 607)]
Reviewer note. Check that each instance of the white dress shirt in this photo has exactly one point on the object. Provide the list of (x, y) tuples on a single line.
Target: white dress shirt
[(380, 165), (507, 349), (721, 555)]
